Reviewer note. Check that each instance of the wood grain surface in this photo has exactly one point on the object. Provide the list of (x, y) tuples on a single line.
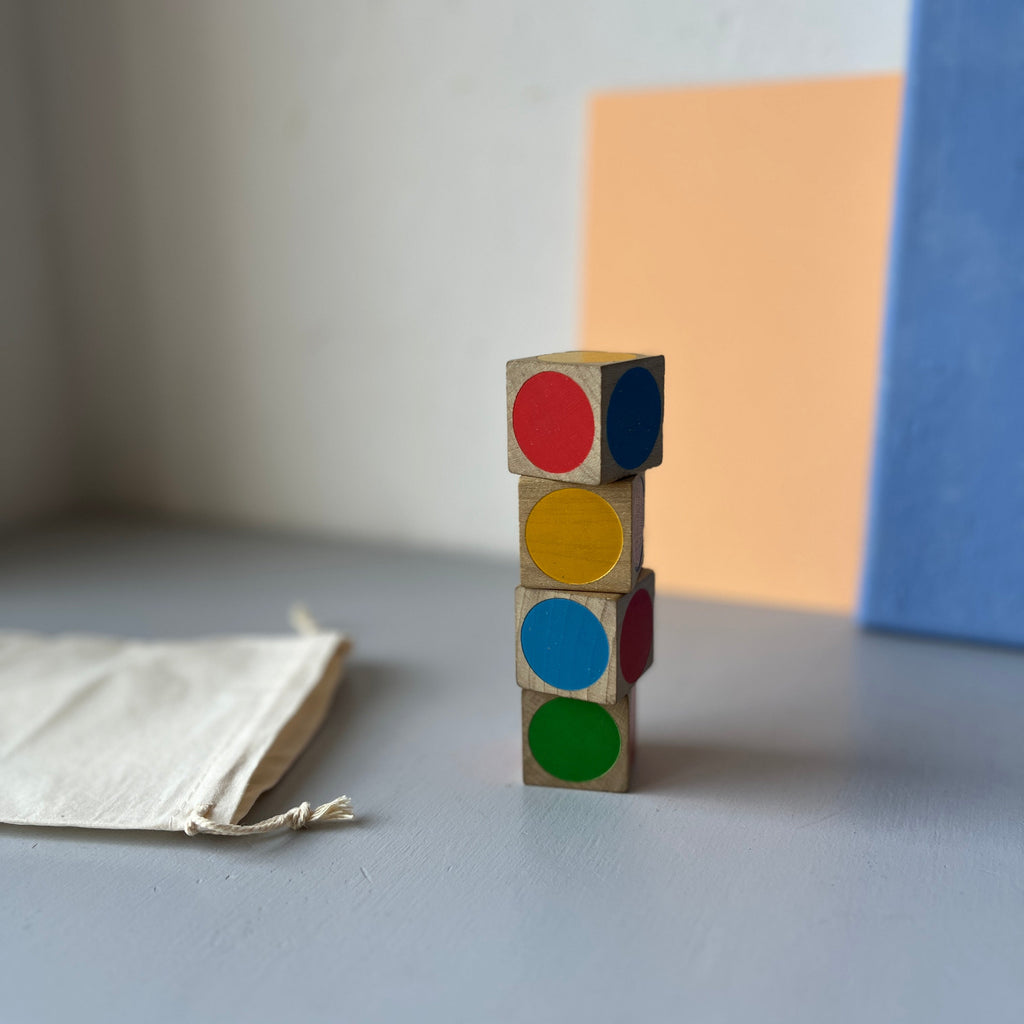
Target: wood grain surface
[(609, 610), (597, 373)]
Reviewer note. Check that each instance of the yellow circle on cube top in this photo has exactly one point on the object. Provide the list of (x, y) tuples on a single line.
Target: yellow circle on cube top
[(588, 357), (574, 536)]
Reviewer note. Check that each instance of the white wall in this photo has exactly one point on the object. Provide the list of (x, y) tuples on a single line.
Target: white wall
[(301, 239), (35, 475)]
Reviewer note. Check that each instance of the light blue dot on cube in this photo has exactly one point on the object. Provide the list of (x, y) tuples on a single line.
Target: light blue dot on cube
[(564, 643)]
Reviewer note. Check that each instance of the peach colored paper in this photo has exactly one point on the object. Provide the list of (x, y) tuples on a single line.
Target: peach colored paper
[(742, 231)]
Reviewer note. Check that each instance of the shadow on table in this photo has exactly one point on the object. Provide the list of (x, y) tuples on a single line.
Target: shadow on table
[(689, 768), (895, 786)]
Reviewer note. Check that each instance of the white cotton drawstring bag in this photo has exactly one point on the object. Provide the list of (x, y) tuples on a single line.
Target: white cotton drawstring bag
[(104, 733)]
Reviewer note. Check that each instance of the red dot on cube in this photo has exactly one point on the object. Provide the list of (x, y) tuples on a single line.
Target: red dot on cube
[(553, 422)]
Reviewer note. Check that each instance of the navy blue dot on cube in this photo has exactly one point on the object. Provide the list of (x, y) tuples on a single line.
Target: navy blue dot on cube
[(564, 643), (634, 417)]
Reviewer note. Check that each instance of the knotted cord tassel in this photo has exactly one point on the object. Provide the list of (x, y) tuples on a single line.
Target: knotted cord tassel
[(297, 818)]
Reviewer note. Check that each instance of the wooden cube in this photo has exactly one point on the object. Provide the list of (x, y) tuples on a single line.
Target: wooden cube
[(585, 417), (586, 646), (581, 538), (576, 744)]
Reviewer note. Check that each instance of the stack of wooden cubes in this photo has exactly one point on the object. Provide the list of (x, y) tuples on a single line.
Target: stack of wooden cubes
[(583, 427)]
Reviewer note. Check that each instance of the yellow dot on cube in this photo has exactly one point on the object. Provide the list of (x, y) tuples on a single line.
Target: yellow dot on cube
[(574, 536)]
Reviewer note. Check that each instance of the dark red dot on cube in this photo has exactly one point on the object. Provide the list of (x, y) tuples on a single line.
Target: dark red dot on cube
[(637, 636), (553, 422)]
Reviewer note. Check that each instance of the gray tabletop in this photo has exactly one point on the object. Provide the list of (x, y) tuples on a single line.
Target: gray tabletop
[(826, 826)]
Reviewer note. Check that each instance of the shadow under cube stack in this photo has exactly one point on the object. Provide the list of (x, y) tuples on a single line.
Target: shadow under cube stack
[(583, 427)]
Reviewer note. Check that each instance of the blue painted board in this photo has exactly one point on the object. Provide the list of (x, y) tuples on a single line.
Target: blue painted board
[(946, 540)]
